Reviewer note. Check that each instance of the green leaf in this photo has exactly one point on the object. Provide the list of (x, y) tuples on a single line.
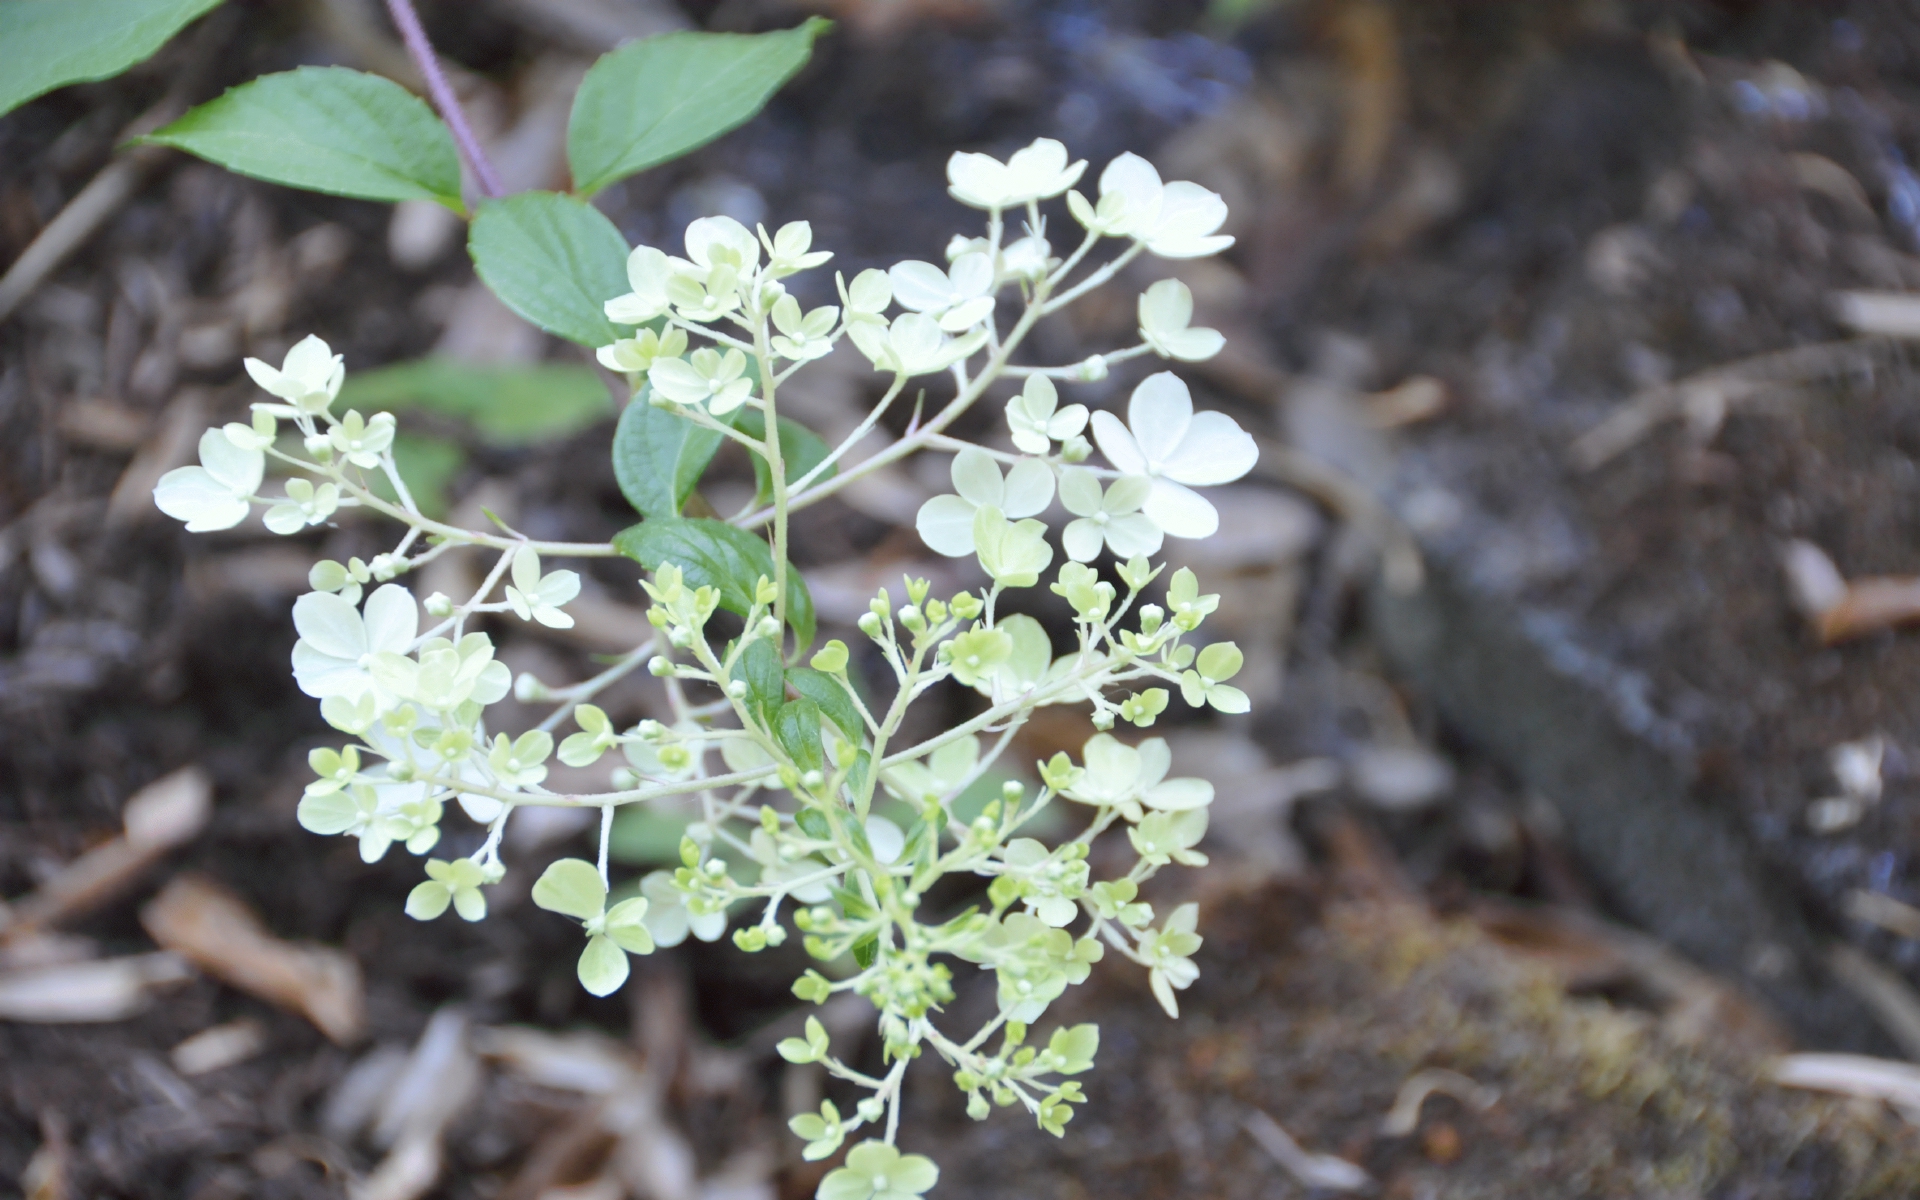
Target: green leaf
[(554, 260), (797, 728), (45, 44), (866, 950), (813, 823), (510, 405), (853, 904), (716, 554), (825, 691), (658, 456), (759, 666), (654, 100), (326, 129), (801, 450)]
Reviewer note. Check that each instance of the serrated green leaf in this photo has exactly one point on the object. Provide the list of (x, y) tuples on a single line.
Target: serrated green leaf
[(46, 44), (653, 100), (326, 129), (797, 728), (801, 450), (659, 456), (759, 666), (825, 691), (553, 259), (716, 554), (508, 404)]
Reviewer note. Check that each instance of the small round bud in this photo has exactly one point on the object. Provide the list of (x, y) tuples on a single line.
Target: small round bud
[(527, 688), (1011, 790), (1103, 720), (649, 729), (869, 624), (768, 628), (681, 638), (400, 771), (439, 605), (1075, 449), (659, 665), (812, 779), (624, 779), (737, 689)]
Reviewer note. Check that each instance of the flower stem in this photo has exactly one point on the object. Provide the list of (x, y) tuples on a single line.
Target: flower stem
[(415, 36)]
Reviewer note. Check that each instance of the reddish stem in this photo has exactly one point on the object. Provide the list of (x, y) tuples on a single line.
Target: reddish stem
[(415, 37)]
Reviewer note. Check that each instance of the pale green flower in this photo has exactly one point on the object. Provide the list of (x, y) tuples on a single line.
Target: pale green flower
[(361, 441), (1204, 684), (337, 643), (595, 738), (1013, 553), (520, 762), (1166, 324), (1112, 518), (946, 522), (866, 298), (877, 1171), (667, 917), (1130, 777), (1178, 450), (716, 380), (791, 250), (572, 887), (1167, 951), (1163, 837), (823, 1131), (305, 505), (637, 354), (802, 337), (457, 882), (537, 597), (914, 344), (1036, 172), (309, 377), (937, 776), (1174, 220), (213, 495), (976, 653), (958, 298), (1036, 419)]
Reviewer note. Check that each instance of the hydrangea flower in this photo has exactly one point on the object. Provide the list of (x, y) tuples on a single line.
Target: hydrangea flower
[(337, 642), (914, 344), (1014, 553), (1205, 682), (877, 1171), (791, 250), (1173, 220), (572, 887), (946, 522), (802, 338), (309, 378), (931, 780), (457, 883), (1166, 324), (709, 377), (361, 441), (958, 298), (537, 597), (1036, 172), (1127, 777), (305, 505), (215, 494), (1167, 951), (637, 354), (1177, 449), (867, 298), (1036, 419), (667, 917), (1113, 518)]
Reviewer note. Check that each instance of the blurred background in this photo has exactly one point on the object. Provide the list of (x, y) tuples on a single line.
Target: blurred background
[(1576, 816)]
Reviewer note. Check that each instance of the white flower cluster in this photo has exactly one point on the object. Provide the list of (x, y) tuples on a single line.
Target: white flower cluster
[(798, 792)]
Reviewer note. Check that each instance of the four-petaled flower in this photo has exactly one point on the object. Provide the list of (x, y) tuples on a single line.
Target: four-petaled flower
[(958, 298), (946, 522), (1178, 449), (791, 249), (361, 441), (309, 377), (1167, 950), (305, 505), (215, 494), (457, 882), (913, 345), (1205, 683), (337, 642), (1035, 172), (667, 916), (877, 1171), (637, 354), (1036, 419), (1173, 220), (1113, 518), (537, 597), (802, 338), (1166, 324), (572, 887), (1127, 777), (709, 377)]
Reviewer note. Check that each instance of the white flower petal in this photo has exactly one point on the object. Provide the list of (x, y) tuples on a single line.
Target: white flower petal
[(977, 477), (1117, 443), (1134, 534), (921, 286), (193, 495), (885, 838), (1028, 489), (946, 525), (1156, 758), (1158, 415), (971, 276), (330, 625), (1215, 450), (1182, 513), (392, 619), (1080, 492), (237, 468), (1082, 539), (1193, 345)]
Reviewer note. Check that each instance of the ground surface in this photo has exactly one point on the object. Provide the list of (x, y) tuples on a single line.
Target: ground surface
[(1547, 209)]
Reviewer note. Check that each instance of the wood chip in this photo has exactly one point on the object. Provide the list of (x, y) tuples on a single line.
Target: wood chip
[(91, 992), (217, 932), (1404, 1117), (219, 1047), (165, 814), (1312, 1170), (1897, 1083), (1891, 314)]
